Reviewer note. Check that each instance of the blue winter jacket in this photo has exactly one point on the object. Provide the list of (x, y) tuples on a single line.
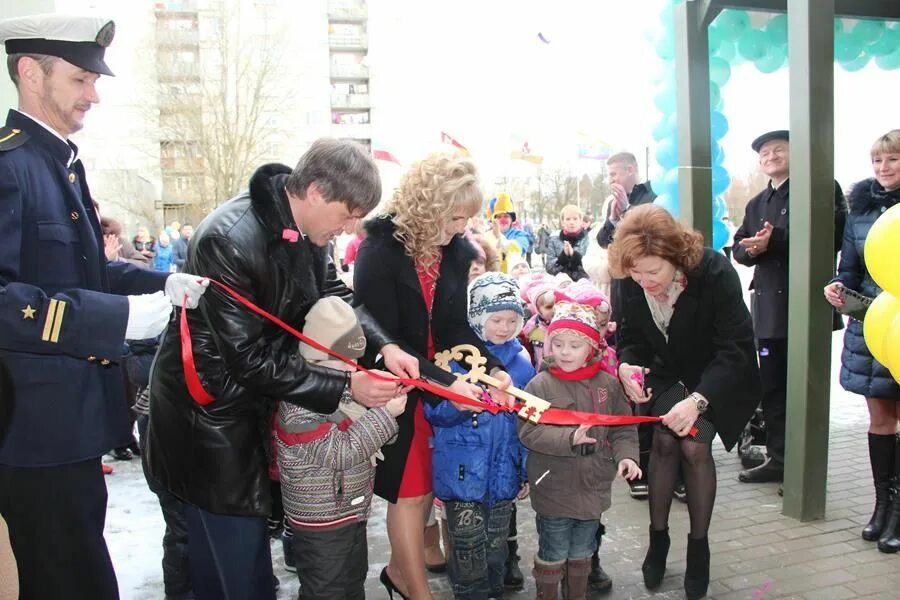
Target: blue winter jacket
[(860, 373), (162, 262), (477, 456)]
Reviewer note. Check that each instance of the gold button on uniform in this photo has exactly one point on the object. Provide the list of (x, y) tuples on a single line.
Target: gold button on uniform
[(104, 362), (74, 215), (91, 358), (71, 177)]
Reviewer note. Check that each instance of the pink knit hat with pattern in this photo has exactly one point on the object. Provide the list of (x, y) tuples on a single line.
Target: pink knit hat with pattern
[(577, 318)]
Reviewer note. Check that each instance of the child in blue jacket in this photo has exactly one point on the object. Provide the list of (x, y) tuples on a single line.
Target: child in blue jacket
[(478, 462)]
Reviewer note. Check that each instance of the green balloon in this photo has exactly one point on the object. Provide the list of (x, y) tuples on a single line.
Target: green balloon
[(665, 47), (726, 52), (752, 44), (715, 95), (715, 40), (772, 61), (887, 43), (733, 23), (869, 31), (890, 61), (777, 30), (847, 46), (857, 65), (719, 70)]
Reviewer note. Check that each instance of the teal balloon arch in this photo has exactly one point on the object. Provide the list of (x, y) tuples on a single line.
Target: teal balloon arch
[(733, 40)]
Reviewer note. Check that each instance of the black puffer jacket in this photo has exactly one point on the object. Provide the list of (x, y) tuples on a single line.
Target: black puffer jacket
[(214, 457), (860, 373)]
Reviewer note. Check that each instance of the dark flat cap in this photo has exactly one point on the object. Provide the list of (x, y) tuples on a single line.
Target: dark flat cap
[(778, 134)]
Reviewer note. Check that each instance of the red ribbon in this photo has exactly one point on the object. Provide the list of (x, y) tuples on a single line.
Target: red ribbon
[(551, 416)]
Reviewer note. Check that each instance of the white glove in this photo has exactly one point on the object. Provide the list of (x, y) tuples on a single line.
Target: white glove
[(148, 315), (179, 284)]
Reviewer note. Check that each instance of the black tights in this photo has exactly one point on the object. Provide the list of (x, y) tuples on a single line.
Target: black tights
[(699, 479)]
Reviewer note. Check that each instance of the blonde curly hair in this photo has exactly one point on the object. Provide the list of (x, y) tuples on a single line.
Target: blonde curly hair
[(431, 192)]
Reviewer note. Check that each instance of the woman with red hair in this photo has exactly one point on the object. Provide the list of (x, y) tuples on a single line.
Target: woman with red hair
[(686, 351)]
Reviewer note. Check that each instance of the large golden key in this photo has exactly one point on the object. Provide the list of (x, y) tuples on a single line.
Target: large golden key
[(468, 355)]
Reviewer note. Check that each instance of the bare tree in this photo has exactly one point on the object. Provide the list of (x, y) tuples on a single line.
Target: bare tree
[(214, 113), (558, 187)]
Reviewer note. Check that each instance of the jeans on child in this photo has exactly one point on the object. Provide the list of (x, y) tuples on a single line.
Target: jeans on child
[(478, 535), (561, 538)]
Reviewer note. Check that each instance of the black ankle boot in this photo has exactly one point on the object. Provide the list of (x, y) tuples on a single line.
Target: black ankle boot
[(696, 573), (654, 566), (881, 455), (512, 574)]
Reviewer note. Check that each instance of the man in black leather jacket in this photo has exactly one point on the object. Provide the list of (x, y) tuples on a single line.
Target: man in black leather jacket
[(268, 244)]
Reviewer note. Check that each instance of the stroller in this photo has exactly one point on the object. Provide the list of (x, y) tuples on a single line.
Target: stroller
[(752, 443)]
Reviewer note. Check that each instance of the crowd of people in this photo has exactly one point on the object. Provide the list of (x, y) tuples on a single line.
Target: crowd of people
[(247, 433)]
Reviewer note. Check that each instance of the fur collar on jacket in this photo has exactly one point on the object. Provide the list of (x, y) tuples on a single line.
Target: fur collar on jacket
[(269, 199), (868, 194)]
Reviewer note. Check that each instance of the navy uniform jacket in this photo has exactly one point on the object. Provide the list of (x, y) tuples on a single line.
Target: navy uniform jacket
[(769, 302), (62, 309)]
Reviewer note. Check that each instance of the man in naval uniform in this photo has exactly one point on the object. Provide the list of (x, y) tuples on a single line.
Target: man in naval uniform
[(65, 312), (761, 242)]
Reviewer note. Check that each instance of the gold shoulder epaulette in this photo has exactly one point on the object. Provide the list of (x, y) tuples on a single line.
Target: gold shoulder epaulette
[(11, 138)]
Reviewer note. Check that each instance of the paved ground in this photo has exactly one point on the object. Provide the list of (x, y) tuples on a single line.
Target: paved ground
[(757, 552)]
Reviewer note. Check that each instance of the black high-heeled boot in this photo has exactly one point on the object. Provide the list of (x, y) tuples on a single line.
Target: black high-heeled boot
[(889, 542), (696, 572), (654, 566), (881, 456)]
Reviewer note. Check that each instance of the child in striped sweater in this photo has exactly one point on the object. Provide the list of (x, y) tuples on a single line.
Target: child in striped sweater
[(327, 465)]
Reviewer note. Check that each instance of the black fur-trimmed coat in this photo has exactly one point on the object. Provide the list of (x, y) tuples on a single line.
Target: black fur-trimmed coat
[(215, 456), (860, 373)]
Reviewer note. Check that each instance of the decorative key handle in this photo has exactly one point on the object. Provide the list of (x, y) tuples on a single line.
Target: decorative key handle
[(468, 355)]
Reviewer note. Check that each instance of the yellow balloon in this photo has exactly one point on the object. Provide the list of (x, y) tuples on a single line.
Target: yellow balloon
[(892, 347), (882, 249), (877, 322)]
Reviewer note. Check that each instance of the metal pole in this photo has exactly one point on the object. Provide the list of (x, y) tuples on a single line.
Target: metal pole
[(811, 46), (692, 91)]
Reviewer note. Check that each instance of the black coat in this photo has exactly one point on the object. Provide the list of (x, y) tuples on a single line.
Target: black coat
[(769, 301), (710, 347), (860, 373), (63, 306), (642, 193), (215, 457), (386, 283)]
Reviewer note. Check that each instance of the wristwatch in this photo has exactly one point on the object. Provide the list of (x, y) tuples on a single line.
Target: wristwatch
[(701, 402), (346, 394)]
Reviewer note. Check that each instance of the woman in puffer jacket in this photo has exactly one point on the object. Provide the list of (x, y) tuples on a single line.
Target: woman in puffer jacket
[(860, 372)]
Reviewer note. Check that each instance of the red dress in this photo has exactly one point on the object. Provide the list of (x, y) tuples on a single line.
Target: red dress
[(417, 472)]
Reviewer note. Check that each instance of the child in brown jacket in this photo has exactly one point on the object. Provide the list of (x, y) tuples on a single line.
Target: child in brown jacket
[(571, 469)]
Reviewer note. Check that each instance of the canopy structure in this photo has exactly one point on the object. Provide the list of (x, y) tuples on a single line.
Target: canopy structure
[(811, 64)]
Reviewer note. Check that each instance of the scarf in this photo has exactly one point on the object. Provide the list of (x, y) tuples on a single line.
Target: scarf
[(662, 307), (586, 372)]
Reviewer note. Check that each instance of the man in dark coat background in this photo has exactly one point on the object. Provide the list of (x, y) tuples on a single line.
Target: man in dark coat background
[(761, 242), (270, 245), (622, 169), (626, 193), (65, 312)]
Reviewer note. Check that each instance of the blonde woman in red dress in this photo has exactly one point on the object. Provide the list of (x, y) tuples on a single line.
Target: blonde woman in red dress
[(411, 274)]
